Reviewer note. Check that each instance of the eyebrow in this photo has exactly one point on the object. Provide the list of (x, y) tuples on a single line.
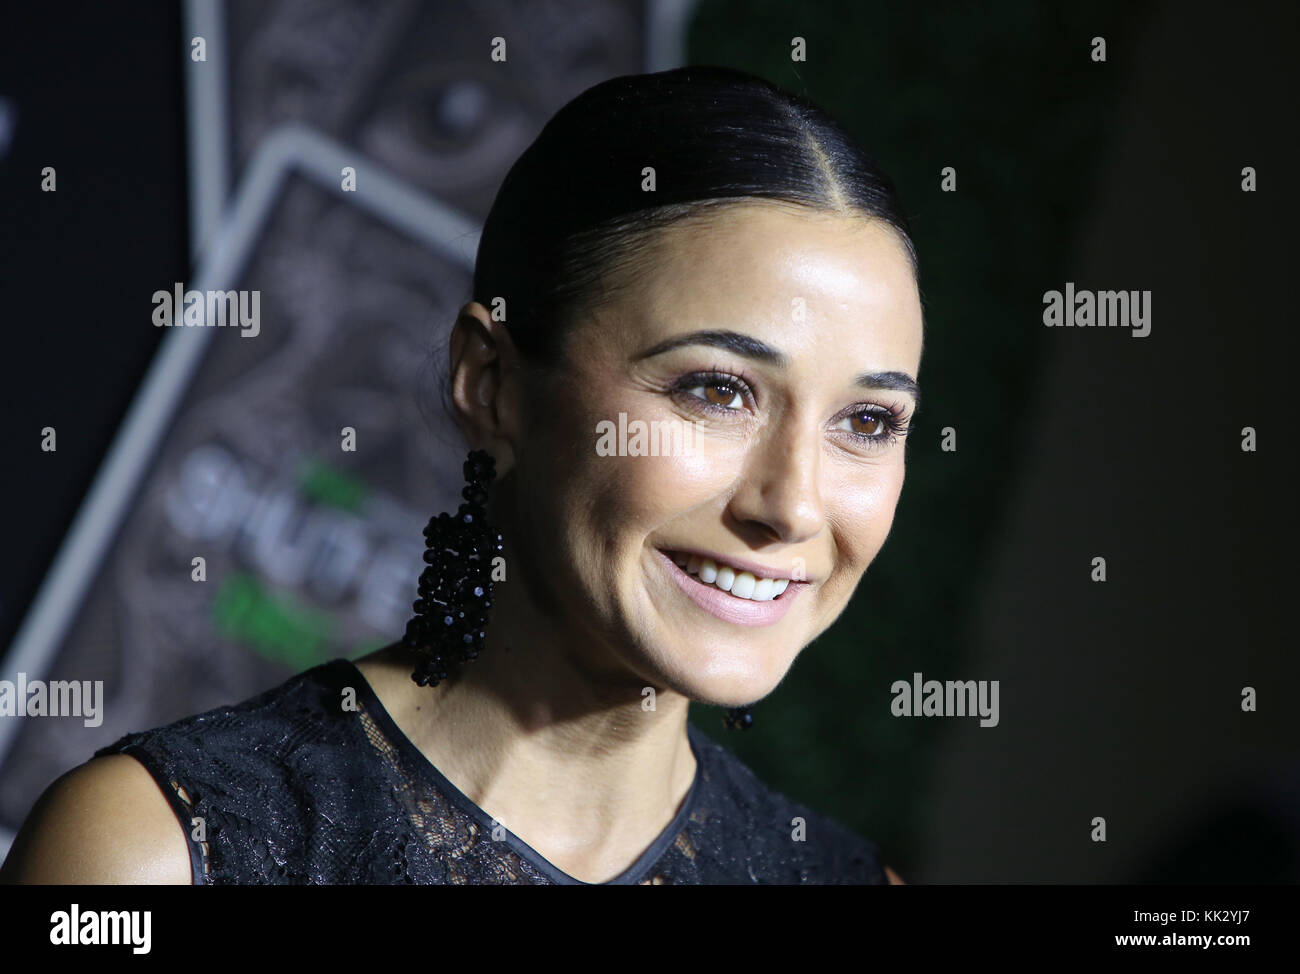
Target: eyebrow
[(752, 348)]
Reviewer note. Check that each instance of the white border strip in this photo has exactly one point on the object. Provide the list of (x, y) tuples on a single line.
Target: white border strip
[(206, 111), (667, 22)]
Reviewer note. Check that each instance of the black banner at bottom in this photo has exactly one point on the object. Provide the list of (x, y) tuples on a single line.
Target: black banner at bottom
[(339, 923)]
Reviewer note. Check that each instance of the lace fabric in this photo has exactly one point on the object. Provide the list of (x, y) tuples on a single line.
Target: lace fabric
[(293, 787)]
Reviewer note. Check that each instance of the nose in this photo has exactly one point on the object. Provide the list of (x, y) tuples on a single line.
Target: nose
[(780, 494)]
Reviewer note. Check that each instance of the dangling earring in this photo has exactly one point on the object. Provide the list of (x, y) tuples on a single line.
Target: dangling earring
[(738, 717), (450, 622)]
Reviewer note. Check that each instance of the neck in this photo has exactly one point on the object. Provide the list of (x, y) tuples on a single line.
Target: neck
[(570, 761)]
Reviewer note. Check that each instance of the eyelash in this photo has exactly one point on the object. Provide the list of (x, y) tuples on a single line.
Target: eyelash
[(894, 417)]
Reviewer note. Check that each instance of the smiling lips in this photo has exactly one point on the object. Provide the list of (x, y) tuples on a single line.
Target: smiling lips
[(733, 595), (740, 583)]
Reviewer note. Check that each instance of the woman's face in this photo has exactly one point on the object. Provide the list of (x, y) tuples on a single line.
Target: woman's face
[(779, 345)]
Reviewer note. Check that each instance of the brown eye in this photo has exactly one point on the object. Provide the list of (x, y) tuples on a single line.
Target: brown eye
[(868, 424), (720, 394)]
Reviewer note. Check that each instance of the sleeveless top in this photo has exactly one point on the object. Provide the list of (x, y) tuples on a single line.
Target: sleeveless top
[(292, 786)]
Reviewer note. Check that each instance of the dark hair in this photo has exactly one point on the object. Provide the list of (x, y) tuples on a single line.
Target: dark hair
[(572, 214)]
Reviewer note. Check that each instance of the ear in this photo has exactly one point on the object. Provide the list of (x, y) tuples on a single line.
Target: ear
[(486, 384)]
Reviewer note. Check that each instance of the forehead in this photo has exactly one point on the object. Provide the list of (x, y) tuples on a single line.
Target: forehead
[(800, 277)]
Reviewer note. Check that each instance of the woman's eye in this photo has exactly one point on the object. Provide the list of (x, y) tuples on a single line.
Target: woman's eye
[(719, 394), (867, 423)]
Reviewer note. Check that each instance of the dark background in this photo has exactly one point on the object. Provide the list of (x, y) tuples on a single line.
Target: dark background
[(1118, 699)]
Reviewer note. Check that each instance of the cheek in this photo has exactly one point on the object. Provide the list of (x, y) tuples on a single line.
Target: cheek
[(635, 495), (861, 510)]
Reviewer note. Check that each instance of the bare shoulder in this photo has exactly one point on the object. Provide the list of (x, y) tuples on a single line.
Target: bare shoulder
[(894, 878), (104, 822), (388, 672)]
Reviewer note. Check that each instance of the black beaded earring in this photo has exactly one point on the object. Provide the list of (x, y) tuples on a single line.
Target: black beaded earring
[(450, 622), (738, 718)]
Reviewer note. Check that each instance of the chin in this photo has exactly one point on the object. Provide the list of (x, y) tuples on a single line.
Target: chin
[(718, 668)]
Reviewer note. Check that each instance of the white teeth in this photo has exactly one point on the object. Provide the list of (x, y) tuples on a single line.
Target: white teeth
[(743, 585)]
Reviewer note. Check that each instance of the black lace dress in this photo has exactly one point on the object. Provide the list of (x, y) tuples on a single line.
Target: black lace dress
[(294, 787)]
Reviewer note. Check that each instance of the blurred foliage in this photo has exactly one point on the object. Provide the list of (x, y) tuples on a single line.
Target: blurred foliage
[(1010, 97)]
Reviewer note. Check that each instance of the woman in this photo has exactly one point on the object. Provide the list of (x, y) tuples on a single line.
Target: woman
[(693, 251)]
